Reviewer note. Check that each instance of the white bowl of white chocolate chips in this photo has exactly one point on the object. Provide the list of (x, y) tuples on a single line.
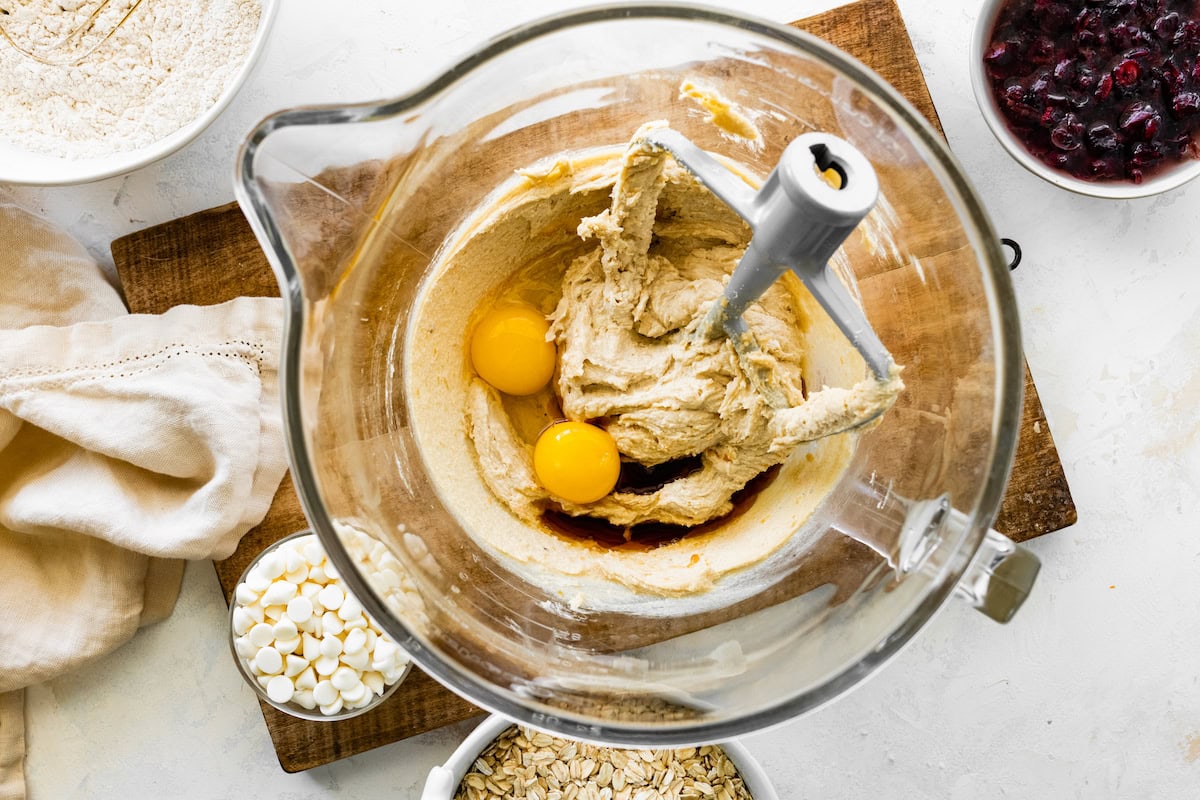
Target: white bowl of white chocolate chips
[(304, 642)]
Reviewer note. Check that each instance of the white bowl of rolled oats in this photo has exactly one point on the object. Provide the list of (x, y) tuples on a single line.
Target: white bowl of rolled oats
[(501, 760)]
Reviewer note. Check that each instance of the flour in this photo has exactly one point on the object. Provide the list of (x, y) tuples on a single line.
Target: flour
[(164, 67)]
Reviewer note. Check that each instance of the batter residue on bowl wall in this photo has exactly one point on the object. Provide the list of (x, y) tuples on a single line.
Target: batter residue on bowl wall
[(625, 251)]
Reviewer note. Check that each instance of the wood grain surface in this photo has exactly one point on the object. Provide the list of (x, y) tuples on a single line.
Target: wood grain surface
[(210, 257)]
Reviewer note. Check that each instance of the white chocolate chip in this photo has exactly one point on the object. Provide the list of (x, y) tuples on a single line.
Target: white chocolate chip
[(279, 593), (294, 665), (355, 641), (245, 595), (355, 693), (285, 628), (388, 579), (268, 660), (358, 622), (333, 707), (288, 645), (273, 613), (373, 681), (310, 590), (300, 609), (304, 699), (331, 647), (350, 609), (256, 612), (280, 689), (263, 680), (244, 647), (242, 621), (325, 666), (307, 679), (332, 623), (324, 693), (272, 564), (332, 597), (293, 560), (314, 552), (257, 581), (317, 575), (359, 659), (384, 654), (343, 678), (311, 647), (262, 634)]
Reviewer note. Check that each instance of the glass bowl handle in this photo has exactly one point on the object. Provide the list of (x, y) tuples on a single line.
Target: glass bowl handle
[(996, 581), (999, 577)]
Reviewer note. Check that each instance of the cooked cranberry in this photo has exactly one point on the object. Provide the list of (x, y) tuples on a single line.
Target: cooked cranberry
[(1127, 72), (1185, 103), (1125, 35), (1102, 89), (1165, 26), (1040, 86), (1101, 138), (1145, 155), (1135, 115), (1152, 127), (1041, 51), (1188, 33), (1089, 20), (1068, 133), (999, 54)]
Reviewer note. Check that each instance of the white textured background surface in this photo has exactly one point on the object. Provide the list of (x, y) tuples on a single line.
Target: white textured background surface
[(1092, 692)]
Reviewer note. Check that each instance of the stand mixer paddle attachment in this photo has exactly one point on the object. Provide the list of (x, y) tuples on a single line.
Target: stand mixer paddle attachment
[(799, 218)]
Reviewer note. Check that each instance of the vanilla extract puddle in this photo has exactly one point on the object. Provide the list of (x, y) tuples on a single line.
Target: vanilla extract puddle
[(647, 536)]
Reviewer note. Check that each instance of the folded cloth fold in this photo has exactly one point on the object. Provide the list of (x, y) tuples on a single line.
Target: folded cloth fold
[(152, 425), (126, 442)]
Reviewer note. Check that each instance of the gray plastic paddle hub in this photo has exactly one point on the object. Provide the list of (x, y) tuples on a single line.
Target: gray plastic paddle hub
[(799, 221)]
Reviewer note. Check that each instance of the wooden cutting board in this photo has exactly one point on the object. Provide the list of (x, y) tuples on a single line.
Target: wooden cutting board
[(210, 257)]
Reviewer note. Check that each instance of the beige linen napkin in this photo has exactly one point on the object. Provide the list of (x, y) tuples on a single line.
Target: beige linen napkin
[(127, 442)]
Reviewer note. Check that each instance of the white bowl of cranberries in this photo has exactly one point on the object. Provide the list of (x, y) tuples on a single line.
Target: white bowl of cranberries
[(1101, 97)]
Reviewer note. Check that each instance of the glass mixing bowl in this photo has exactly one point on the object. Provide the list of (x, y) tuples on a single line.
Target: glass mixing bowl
[(353, 204)]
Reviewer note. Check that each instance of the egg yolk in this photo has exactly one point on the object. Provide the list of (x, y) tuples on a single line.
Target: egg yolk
[(509, 349), (577, 461)]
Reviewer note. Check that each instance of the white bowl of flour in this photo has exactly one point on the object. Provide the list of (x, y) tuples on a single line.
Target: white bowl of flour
[(162, 77)]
